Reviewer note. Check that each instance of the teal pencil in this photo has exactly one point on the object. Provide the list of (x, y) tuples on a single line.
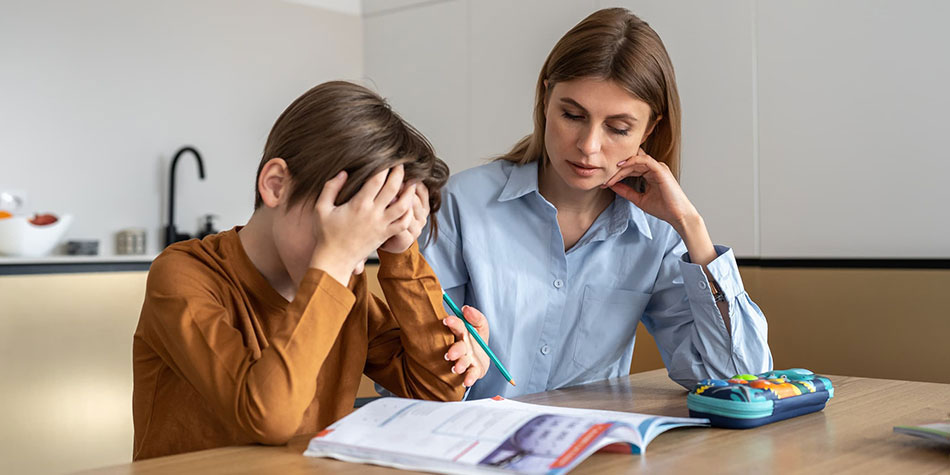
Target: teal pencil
[(481, 343)]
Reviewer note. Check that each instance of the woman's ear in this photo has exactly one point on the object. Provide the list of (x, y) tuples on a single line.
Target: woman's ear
[(274, 182), (649, 130), (547, 94)]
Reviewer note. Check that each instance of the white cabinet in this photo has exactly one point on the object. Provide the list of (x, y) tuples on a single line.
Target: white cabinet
[(853, 103)]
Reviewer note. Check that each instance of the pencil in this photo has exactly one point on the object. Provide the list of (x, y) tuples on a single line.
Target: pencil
[(475, 335)]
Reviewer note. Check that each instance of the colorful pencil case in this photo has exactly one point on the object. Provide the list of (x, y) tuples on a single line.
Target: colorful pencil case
[(747, 400)]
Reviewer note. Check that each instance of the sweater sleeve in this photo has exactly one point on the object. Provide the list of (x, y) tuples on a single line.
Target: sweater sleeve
[(408, 341), (265, 391)]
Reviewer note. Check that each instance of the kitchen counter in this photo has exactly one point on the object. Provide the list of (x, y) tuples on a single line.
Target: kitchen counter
[(59, 264)]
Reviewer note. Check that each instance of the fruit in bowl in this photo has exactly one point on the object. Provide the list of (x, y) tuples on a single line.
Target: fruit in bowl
[(43, 219), (36, 236)]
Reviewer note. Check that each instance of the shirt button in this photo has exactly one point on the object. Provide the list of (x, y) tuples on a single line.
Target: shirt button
[(558, 284), (702, 285), (545, 349)]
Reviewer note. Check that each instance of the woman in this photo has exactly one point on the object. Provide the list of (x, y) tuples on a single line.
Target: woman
[(581, 231)]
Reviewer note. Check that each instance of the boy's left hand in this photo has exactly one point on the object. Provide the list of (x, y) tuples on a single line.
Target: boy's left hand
[(466, 355), (417, 216)]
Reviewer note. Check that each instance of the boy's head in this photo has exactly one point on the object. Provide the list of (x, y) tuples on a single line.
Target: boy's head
[(343, 126), (333, 127)]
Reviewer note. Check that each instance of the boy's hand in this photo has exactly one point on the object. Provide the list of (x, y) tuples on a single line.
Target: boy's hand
[(419, 214), (346, 234), (466, 355)]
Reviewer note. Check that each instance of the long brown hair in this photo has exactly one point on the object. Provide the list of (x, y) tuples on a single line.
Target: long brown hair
[(338, 126), (612, 44)]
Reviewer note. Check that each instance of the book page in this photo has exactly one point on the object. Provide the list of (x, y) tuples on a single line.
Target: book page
[(462, 437)]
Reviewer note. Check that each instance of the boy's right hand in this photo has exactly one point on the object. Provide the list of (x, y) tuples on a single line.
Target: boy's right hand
[(344, 235)]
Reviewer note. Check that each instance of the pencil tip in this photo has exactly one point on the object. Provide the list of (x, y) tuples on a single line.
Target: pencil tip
[(512, 382)]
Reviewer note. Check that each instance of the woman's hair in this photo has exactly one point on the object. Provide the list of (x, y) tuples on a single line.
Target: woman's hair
[(612, 44), (338, 126)]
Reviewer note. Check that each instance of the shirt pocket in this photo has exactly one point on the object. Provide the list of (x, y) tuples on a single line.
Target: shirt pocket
[(609, 318)]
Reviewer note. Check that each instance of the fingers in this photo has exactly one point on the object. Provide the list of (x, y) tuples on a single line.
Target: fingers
[(637, 165), (476, 320), (420, 206), (402, 206), (461, 355), (331, 189), (371, 187), (627, 193), (473, 374), (456, 326), (392, 186), (400, 225)]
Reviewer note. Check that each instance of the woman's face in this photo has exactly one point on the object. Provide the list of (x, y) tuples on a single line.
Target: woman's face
[(591, 125)]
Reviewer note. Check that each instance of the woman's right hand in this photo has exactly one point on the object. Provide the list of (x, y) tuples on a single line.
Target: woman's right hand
[(345, 235)]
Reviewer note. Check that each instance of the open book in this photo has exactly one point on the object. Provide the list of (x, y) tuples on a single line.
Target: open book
[(939, 431), (484, 435)]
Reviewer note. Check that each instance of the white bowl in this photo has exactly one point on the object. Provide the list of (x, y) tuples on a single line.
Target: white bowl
[(19, 237)]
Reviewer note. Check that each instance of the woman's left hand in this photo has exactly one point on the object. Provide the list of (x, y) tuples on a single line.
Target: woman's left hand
[(662, 197), (467, 357)]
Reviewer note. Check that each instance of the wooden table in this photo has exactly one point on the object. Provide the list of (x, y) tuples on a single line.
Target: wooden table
[(853, 434)]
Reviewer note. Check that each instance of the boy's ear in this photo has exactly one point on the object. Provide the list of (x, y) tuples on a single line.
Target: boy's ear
[(274, 182)]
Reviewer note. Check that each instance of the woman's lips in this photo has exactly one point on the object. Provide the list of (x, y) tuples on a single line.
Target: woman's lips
[(581, 170)]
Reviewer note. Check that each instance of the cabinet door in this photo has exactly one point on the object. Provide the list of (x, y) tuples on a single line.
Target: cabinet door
[(852, 118)]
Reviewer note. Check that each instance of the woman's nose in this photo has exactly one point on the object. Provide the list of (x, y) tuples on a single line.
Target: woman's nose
[(589, 141)]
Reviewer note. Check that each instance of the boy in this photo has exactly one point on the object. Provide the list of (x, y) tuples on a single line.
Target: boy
[(260, 333)]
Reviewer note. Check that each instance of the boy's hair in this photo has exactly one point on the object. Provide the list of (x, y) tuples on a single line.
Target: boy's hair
[(338, 126)]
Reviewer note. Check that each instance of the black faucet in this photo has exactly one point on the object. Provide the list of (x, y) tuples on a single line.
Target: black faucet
[(171, 234)]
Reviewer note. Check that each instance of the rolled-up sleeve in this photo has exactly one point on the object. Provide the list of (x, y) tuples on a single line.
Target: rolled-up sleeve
[(689, 329)]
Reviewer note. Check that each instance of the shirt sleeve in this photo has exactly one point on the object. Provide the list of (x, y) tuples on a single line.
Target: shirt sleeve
[(685, 321), (444, 254), (265, 391), (408, 341)]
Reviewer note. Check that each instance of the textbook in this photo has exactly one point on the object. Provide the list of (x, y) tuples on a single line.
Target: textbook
[(939, 431), (486, 435)]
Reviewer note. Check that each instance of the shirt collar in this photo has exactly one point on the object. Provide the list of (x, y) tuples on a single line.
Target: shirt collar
[(625, 212), (523, 179)]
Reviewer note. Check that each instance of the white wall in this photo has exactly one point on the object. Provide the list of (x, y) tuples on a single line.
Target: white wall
[(853, 121), (96, 96), (811, 129)]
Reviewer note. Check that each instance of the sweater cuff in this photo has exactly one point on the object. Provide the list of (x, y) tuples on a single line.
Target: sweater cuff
[(317, 282), (404, 265)]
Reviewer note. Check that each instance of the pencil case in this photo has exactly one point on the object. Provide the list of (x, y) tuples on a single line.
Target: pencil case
[(747, 400)]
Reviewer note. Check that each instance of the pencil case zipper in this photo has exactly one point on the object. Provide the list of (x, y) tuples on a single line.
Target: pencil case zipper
[(728, 408)]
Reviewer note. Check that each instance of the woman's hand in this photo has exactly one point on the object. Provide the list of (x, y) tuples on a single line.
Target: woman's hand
[(466, 355), (662, 197), (419, 213), (344, 235)]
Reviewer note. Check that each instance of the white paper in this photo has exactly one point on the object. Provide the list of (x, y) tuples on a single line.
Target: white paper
[(487, 435)]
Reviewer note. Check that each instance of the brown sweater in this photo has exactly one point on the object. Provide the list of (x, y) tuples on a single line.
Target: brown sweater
[(220, 358)]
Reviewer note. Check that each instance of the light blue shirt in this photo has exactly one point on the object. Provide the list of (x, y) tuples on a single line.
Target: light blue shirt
[(563, 318)]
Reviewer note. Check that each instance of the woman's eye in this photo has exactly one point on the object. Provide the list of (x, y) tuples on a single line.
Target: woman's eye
[(567, 115), (619, 131)]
